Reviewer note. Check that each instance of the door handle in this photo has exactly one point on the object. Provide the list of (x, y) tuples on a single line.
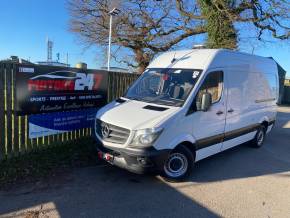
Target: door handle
[(219, 113), (231, 110)]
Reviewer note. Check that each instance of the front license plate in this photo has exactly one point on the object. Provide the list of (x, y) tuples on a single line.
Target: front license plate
[(108, 157)]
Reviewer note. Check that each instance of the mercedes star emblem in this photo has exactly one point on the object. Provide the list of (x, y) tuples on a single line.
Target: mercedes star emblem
[(105, 131)]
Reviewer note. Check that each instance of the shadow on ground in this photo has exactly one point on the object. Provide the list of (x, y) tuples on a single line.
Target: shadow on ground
[(103, 191)]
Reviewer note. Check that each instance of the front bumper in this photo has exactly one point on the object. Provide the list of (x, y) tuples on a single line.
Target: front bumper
[(136, 160)]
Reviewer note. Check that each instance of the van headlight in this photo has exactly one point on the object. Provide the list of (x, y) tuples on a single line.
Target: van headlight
[(145, 137)]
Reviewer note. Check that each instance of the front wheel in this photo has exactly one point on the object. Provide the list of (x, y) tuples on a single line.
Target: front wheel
[(178, 164)]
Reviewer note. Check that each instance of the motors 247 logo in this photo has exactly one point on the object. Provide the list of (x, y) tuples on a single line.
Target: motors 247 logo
[(65, 81)]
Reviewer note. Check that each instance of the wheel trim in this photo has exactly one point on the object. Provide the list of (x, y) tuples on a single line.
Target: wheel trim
[(176, 165), (260, 137)]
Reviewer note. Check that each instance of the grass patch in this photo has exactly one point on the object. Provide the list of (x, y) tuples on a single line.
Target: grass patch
[(42, 163)]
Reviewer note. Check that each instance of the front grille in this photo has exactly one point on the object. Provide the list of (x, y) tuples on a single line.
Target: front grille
[(112, 133)]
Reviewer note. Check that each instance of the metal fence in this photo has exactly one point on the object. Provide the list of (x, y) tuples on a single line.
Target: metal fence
[(14, 130)]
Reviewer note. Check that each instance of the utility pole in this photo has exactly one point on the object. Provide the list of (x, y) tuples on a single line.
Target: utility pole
[(112, 13)]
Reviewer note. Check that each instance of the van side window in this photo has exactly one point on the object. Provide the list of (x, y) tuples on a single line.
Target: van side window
[(212, 84)]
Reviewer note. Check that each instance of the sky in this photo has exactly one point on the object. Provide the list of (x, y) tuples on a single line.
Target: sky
[(26, 24)]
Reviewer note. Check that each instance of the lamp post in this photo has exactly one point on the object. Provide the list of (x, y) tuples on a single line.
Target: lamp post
[(112, 13)]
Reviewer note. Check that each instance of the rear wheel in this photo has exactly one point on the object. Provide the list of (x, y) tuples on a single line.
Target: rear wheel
[(178, 164), (259, 139)]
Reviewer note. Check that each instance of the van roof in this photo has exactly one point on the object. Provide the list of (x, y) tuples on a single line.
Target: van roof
[(202, 58)]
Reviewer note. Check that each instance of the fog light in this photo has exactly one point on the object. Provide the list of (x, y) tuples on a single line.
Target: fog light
[(143, 160)]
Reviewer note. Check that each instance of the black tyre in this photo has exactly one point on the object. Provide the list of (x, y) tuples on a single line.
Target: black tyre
[(178, 165), (259, 139)]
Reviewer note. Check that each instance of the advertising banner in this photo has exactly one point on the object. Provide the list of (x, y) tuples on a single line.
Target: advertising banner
[(45, 89), (59, 122)]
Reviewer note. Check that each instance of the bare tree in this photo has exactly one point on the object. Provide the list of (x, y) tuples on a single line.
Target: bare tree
[(144, 27), (147, 27)]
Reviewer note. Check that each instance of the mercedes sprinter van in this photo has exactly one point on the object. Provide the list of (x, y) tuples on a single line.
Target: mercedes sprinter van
[(186, 106)]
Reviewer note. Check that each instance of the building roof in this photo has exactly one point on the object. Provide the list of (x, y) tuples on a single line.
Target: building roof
[(15, 60), (52, 63)]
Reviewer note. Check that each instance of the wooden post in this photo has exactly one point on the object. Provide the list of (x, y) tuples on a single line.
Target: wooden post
[(15, 130), (8, 75), (23, 136), (2, 114), (29, 141)]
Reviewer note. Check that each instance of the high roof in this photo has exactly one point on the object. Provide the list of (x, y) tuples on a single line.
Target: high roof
[(184, 59), (202, 58)]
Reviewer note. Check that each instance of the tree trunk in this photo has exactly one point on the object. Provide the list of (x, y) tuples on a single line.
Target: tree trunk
[(220, 29), (142, 59)]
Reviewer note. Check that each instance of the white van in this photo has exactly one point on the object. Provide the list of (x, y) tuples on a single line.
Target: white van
[(186, 106)]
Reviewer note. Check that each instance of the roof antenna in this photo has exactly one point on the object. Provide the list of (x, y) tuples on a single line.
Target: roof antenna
[(173, 59)]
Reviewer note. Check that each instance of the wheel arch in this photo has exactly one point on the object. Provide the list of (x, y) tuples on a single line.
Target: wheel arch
[(190, 146), (265, 122)]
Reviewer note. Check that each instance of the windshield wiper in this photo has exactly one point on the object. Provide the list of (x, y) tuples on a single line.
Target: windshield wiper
[(164, 102), (133, 98), (157, 99)]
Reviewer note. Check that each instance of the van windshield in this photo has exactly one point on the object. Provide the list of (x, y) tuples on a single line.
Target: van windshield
[(166, 86)]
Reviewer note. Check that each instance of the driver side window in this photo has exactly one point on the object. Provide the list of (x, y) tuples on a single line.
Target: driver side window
[(154, 83), (149, 84), (212, 84)]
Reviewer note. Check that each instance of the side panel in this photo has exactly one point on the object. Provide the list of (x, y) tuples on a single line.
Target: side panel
[(252, 96), (242, 112), (268, 87)]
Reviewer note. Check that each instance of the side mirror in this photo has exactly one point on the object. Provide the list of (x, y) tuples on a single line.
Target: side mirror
[(206, 101)]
